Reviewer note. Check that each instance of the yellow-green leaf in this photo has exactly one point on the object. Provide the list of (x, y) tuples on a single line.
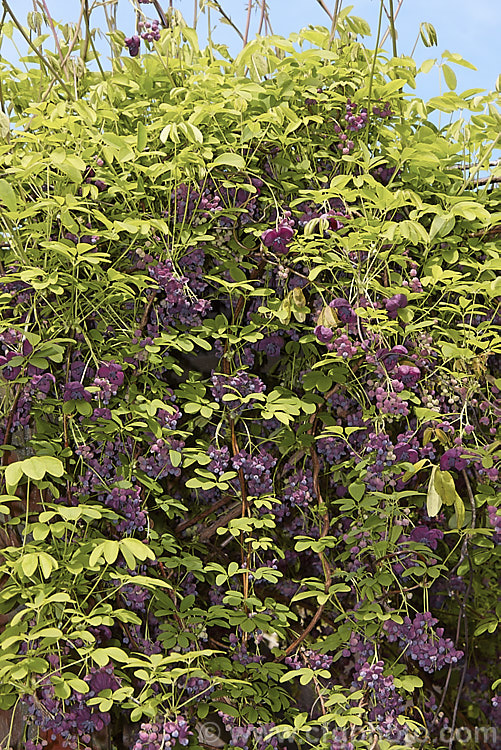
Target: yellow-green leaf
[(433, 499), (7, 195), (444, 485)]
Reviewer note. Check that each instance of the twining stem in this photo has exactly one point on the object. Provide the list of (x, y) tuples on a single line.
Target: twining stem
[(388, 30), (227, 18), (161, 14), (37, 51), (393, 31), (10, 421), (335, 16), (373, 68), (324, 7), (247, 23), (91, 40), (262, 16), (54, 34), (324, 531)]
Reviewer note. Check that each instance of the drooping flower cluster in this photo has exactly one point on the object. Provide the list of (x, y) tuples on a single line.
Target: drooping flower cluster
[(422, 642)]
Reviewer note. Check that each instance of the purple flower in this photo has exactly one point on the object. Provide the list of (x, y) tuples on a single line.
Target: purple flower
[(344, 310), (452, 459), (424, 535), (74, 391), (390, 358), (112, 372), (278, 239), (323, 334), (408, 374), (133, 43), (393, 304), (8, 371)]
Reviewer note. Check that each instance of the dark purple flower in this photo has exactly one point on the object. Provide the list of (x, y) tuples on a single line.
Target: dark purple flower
[(133, 43), (8, 371), (424, 535), (393, 304), (452, 459), (390, 358), (278, 239), (112, 372), (74, 391), (408, 374), (344, 310), (323, 334)]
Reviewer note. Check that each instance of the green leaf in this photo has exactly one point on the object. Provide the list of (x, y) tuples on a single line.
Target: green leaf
[(111, 550), (34, 468), (444, 485), (13, 473), (408, 682), (433, 499), (142, 136), (4, 125), (442, 225), (449, 76), (357, 491), (80, 686), (29, 564), (460, 512), (7, 195), (137, 548), (229, 160)]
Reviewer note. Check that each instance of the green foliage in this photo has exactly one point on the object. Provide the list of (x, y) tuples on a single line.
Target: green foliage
[(97, 189)]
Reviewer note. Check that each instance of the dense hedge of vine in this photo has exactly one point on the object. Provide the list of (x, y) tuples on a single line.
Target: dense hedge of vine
[(251, 401)]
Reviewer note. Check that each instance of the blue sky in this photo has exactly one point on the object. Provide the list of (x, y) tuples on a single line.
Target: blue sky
[(473, 29)]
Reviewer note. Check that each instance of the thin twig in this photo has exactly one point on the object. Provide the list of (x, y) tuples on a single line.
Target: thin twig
[(324, 7), (335, 16), (202, 515), (392, 28), (388, 30), (262, 16), (227, 18), (36, 51), (162, 15), (54, 34), (247, 23)]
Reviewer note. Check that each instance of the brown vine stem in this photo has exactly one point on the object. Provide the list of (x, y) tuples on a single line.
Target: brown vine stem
[(245, 559), (232, 513), (462, 613), (160, 12), (335, 16), (389, 29), (227, 18), (10, 420), (54, 34), (324, 7), (37, 51), (325, 565), (247, 23), (262, 16), (147, 309), (203, 514), (486, 232), (464, 552)]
